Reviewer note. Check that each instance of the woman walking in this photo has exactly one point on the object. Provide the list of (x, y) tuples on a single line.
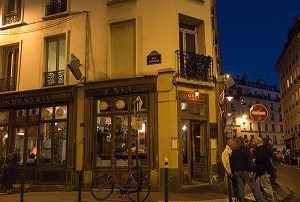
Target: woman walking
[(243, 168)]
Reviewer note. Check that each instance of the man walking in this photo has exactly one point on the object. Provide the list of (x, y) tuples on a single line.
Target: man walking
[(263, 169), (226, 163)]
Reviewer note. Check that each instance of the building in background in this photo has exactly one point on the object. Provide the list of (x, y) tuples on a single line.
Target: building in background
[(288, 68), (75, 74), (240, 98)]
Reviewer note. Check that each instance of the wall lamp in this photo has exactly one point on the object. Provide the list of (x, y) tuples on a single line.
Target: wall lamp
[(197, 93)]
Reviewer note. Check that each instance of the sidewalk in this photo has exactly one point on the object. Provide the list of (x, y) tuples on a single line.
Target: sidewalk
[(87, 197)]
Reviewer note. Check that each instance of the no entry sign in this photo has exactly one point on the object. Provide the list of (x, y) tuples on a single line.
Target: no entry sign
[(259, 112)]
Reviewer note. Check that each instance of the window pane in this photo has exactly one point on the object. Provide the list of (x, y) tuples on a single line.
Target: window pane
[(21, 116), (142, 103), (20, 137), (4, 117), (3, 143), (33, 114), (142, 143), (121, 141), (121, 104), (184, 136), (62, 54), (45, 143), (32, 145), (60, 143), (52, 47), (103, 141), (193, 109), (103, 106), (61, 112), (47, 113)]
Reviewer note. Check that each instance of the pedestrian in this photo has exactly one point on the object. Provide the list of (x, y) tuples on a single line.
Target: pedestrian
[(243, 169), (226, 163), (10, 167), (274, 160), (263, 169)]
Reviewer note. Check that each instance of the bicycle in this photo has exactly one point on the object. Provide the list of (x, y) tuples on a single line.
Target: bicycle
[(136, 186)]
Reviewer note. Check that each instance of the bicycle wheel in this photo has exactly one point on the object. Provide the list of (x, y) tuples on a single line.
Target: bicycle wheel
[(102, 187), (138, 188)]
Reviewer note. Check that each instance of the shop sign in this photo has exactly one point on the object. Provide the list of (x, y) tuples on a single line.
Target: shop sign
[(153, 58), (25, 100), (118, 90)]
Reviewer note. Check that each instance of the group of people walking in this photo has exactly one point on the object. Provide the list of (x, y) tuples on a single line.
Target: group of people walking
[(249, 164)]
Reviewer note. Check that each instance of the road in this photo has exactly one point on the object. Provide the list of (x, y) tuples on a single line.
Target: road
[(289, 177)]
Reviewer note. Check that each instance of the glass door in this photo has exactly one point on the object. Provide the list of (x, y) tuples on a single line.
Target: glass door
[(26, 143), (198, 150)]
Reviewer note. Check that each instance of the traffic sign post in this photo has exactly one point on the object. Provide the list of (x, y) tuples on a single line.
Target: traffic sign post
[(259, 113)]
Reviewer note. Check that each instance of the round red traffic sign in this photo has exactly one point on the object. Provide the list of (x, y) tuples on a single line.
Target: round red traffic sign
[(259, 112)]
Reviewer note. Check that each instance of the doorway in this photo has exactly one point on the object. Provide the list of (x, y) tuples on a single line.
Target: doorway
[(26, 140), (194, 150)]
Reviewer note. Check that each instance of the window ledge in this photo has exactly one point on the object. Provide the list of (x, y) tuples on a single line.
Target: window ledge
[(57, 15), (111, 2), (12, 25)]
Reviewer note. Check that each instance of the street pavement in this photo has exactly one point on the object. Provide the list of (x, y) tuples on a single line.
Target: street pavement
[(288, 177), (62, 196)]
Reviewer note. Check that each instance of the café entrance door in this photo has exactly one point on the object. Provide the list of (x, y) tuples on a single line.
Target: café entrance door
[(199, 154), (194, 150), (26, 142)]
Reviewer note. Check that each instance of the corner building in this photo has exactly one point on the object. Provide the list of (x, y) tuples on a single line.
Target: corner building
[(288, 69), (138, 58)]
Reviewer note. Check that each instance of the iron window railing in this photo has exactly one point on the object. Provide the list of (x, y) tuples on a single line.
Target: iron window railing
[(12, 17), (194, 66), (54, 78), (8, 84), (55, 7)]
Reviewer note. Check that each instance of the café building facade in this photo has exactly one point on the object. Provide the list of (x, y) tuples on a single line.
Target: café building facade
[(132, 96)]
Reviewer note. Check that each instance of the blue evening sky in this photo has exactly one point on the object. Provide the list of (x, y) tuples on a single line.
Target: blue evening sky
[(252, 36)]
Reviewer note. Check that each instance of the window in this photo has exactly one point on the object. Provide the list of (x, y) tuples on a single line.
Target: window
[(266, 127), (9, 68), (53, 135), (4, 118), (12, 13), (123, 49), (273, 127), (271, 106), (281, 128), (55, 66), (272, 116), (251, 126), (56, 6), (115, 137)]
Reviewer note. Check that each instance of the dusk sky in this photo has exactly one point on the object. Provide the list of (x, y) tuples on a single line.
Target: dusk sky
[(252, 36)]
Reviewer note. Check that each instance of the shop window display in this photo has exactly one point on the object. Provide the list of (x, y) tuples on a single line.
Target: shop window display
[(115, 136)]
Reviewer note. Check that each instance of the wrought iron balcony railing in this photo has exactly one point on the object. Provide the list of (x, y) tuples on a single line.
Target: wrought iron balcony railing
[(54, 7), (54, 78), (8, 84), (12, 17), (194, 66)]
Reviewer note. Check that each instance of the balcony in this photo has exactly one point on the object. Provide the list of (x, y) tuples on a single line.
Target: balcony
[(54, 78), (194, 66), (55, 7), (12, 17), (8, 84)]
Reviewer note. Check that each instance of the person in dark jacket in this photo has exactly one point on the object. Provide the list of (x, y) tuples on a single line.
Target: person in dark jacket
[(10, 166), (243, 169), (263, 169)]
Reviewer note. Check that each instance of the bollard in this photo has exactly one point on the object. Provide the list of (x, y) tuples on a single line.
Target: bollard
[(229, 188), (22, 185), (79, 184), (166, 180)]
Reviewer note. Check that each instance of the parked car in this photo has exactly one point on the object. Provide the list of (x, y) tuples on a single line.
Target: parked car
[(291, 156)]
